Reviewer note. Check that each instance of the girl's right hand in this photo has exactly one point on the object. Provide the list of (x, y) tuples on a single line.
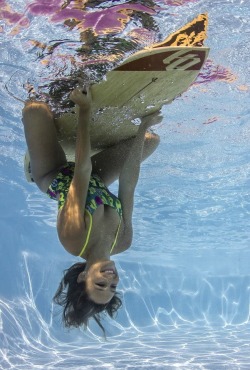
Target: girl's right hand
[(82, 97)]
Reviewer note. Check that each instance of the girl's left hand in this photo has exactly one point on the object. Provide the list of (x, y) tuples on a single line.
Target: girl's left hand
[(82, 97)]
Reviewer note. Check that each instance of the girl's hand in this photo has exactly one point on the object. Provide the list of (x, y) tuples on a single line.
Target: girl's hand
[(82, 97)]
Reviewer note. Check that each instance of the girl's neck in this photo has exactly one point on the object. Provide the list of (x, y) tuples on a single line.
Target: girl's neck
[(96, 254)]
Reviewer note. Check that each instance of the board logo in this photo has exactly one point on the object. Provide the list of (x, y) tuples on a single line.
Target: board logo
[(181, 60), (166, 59)]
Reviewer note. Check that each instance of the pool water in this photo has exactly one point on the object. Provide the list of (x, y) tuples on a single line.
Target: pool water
[(185, 281)]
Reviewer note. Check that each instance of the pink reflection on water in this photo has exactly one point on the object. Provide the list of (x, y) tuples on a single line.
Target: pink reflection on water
[(211, 120), (214, 72), (10, 17), (43, 9), (177, 2), (109, 20)]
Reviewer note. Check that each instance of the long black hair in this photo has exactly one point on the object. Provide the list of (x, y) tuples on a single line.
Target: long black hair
[(77, 307)]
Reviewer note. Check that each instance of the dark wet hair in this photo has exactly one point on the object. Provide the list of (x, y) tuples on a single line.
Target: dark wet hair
[(77, 307)]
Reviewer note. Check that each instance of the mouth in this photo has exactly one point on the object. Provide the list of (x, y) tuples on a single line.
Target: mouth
[(109, 271), (109, 267)]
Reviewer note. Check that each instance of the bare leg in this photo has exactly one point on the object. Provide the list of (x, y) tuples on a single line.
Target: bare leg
[(46, 154), (108, 163)]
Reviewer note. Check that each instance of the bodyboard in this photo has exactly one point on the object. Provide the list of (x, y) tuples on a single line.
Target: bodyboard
[(139, 86)]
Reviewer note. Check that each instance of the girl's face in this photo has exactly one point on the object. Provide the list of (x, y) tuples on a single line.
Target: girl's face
[(101, 280)]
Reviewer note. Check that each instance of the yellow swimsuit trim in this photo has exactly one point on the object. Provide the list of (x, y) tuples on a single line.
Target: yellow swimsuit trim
[(89, 231), (88, 234)]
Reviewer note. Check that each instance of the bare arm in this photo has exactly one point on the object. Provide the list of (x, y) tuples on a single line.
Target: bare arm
[(130, 173), (71, 223), (128, 180)]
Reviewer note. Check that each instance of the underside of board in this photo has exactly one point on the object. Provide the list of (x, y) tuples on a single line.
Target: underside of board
[(141, 85), (138, 87)]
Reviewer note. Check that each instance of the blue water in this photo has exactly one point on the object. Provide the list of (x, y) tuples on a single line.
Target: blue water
[(185, 281)]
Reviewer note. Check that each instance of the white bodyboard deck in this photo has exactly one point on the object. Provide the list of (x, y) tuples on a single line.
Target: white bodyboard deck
[(141, 85)]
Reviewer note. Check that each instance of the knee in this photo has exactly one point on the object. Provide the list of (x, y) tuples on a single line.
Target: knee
[(34, 109), (152, 139)]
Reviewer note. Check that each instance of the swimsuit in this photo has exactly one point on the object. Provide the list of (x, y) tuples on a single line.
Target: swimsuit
[(97, 194)]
